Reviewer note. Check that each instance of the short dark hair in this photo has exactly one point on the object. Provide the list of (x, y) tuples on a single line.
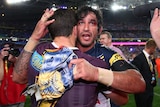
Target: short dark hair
[(150, 43), (11, 44), (65, 20), (109, 35), (83, 12)]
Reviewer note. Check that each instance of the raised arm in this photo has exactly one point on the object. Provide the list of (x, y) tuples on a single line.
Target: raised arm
[(155, 26), (3, 53), (21, 65)]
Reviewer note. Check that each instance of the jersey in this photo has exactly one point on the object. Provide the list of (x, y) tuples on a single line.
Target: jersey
[(114, 61), (82, 93)]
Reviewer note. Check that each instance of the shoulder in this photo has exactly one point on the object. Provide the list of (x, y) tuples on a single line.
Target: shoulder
[(91, 59), (140, 56), (42, 46), (104, 49)]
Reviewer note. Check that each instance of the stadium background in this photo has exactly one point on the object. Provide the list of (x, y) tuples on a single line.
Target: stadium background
[(129, 31)]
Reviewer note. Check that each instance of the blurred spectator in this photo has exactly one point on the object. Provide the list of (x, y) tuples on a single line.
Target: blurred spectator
[(145, 65), (106, 39), (157, 61), (10, 92)]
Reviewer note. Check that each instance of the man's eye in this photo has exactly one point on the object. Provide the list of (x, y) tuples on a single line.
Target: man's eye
[(80, 23), (93, 23)]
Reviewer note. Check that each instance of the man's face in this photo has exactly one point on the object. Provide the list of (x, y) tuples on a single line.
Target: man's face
[(103, 39), (152, 50), (87, 30), (10, 57)]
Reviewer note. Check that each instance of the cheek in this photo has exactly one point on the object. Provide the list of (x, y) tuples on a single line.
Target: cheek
[(95, 33)]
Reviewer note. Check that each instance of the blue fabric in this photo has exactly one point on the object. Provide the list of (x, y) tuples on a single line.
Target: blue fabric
[(56, 77)]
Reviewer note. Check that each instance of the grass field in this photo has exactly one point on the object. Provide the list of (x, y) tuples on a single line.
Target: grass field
[(156, 100), (131, 103)]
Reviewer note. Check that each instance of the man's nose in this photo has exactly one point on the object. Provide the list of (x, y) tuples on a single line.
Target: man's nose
[(86, 27)]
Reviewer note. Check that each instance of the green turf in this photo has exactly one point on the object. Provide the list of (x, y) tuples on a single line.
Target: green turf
[(27, 104), (156, 100)]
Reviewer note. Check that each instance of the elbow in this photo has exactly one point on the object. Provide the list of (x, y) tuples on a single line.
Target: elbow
[(139, 83), (142, 86)]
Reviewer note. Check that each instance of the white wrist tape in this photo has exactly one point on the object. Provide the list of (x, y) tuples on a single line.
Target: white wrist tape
[(30, 46), (105, 76)]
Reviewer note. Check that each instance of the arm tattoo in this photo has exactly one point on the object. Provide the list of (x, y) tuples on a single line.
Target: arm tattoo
[(21, 65)]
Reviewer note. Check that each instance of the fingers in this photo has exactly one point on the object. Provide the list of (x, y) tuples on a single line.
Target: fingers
[(84, 70), (156, 13), (41, 27), (47, 14), (76, 61), (77, 71)]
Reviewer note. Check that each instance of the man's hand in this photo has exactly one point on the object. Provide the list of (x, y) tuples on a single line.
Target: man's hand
[(40, 30), (84, 70), (41, 27), (155, 26)]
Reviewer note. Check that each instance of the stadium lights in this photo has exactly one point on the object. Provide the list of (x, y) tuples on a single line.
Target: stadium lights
[(116, 7), (15, 1)]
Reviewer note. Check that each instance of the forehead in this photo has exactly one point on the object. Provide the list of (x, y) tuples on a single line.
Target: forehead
[(103, 36), (90, 16)]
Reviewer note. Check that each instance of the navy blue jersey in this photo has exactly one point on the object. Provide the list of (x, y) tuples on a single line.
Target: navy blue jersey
[(114, 61), (82, 94)]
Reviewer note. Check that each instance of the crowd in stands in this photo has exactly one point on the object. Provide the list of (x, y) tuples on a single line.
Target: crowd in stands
[(121, 31)]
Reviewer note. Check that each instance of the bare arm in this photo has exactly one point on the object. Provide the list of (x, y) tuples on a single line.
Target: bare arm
[(124, 81), (130, 81), (155, 26), (21, 65), (3, 53), (118, 97)]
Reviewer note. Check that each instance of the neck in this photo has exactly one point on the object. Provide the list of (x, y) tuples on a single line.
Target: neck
[(109, 44), (84, 48), (64, 41)]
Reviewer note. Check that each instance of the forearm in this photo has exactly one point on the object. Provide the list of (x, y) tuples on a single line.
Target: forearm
[(21, 67), (132, 82), (124, 81), (22, 63), (118, 97)]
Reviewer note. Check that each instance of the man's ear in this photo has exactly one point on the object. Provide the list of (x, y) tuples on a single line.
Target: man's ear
[(100, 30), (74, 32)]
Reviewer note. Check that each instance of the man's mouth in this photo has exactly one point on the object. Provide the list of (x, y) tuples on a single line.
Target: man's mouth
[(86, 37)]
